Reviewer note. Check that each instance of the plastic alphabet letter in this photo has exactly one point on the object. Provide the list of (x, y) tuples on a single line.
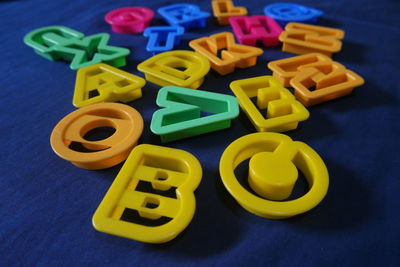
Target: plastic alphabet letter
[(163, 38), (301, 38), (102, 83), (185, 15), (331, 79), (284, 13), (129, 19), (286, 69), (42, 40), (57, 42), (68, 137), (233, 55), (224, 9), (91, 50), (250, 29), (274, 165), (283, 111), (181, 114), (178, 67), (155, 213)]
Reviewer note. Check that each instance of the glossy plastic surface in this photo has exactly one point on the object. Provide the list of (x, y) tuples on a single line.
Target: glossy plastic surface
[(162, 38), (92, 49), (128, 210), (179, 67), (43, 40), (69, 142), (103, 83), (283, 112), (129, 19), (186, 15), (315, 77), (232, 54), (284, 70), (299, 38), (273, 170), (58, 42), (250, 29), (284, 13), (189, 113), (224, 9)]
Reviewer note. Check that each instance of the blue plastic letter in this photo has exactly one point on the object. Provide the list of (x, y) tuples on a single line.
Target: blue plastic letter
[(284, 13), (185, 15), (162, 38)]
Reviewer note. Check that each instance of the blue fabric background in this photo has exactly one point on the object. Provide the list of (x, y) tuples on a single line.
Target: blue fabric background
[(47, 204)]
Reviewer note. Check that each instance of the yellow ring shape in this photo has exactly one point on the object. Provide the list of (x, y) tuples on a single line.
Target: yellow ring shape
[(300, 154)]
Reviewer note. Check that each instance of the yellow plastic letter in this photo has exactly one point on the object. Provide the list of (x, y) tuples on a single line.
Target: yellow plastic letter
[(283, 111), (178, 68), (152, 199), (103, 83)]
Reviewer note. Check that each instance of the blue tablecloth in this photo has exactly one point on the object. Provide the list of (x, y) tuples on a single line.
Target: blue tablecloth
[(47, 204)]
